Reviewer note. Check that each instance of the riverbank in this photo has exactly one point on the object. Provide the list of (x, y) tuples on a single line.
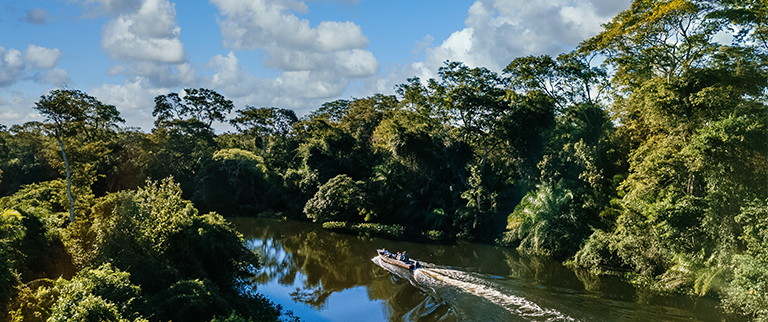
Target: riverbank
[(322, 275)]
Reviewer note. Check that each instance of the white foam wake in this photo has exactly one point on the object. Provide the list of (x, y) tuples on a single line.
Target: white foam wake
[(477, 297)]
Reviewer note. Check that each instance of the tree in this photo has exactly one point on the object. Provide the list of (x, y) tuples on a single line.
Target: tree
[(331, 111), (234, 182), (339, 199), (201, 104), (101, 294), (264, 122), (569, 80), (751, 17), (23, 157), (690, 114), (544, 224), (72, 112), (180, 148)]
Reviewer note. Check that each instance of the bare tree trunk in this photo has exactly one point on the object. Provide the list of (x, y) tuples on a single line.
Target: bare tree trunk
[(69, 182)]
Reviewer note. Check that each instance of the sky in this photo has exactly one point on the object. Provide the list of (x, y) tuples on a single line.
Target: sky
[(266, 53)]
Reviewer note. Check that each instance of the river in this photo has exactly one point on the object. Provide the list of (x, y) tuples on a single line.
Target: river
[(324, 276)]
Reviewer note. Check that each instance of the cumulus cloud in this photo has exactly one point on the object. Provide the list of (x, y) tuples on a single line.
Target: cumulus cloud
[(36, 63), (12, 66), (497, 31), (162, 75), (41, 57), (298, 90), (37, 16), (317, 62), (134, 99), (17, 108), (146, 40), (150, 34)]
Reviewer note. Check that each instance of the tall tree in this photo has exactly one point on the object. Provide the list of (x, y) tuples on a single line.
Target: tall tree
[(681, 101), (264, 122), (68, 112), (204, 105)]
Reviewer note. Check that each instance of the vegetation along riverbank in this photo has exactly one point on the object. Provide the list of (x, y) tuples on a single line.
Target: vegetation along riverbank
[(643, 152)]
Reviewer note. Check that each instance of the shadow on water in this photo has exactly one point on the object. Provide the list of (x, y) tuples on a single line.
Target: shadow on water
[(324, 276)]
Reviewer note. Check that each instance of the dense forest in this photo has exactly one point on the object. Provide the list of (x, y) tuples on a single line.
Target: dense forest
[(643, 153)]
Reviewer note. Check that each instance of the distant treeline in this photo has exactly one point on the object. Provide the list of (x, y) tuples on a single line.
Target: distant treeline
[(643, 151)]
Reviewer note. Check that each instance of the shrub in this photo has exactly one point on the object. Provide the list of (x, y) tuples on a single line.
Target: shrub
[(375, 229), (748, 291), (338, 199), (544, 223), (102, 294)]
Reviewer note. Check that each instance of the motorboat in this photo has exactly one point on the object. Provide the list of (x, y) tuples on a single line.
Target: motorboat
[(398, 259)]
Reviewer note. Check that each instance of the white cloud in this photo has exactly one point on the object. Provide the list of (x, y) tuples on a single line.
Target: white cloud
[(333, 35), (147, 40), (41, 57), (315, 64), (498, 31), (272, 25), (151, 34), (162, 75), (16, 66), (298, 90), (56, 77), (12, 66), (357, 63), (134, 99), (17, 109)]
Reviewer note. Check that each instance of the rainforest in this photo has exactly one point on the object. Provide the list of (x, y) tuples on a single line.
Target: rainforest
[(642, 154)]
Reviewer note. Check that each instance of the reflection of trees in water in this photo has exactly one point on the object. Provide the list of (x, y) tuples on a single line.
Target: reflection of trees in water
[(320, 263), (323, 262), (542, 271), (407, 303)]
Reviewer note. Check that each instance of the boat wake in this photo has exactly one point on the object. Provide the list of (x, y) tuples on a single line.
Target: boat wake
[(474, 297)]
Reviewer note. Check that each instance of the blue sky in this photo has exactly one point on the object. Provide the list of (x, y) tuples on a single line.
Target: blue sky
[(282, 53)]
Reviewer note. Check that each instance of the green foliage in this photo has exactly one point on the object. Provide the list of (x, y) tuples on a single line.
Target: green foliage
[(598, 253), (340, 198), (190, 300), (84, 123), (23, 157), (196, 104), (749, 16), (657, 154), (69, 111), (188, 265), (126, 166), (569, 80), (544, 223), (235, 182), (748, 291), (374, 229), (264, 122), (102, 294), (180, 149), (336, 225), (11, 230)]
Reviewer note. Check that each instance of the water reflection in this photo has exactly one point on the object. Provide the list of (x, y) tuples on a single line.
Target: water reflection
[(325, 276)]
